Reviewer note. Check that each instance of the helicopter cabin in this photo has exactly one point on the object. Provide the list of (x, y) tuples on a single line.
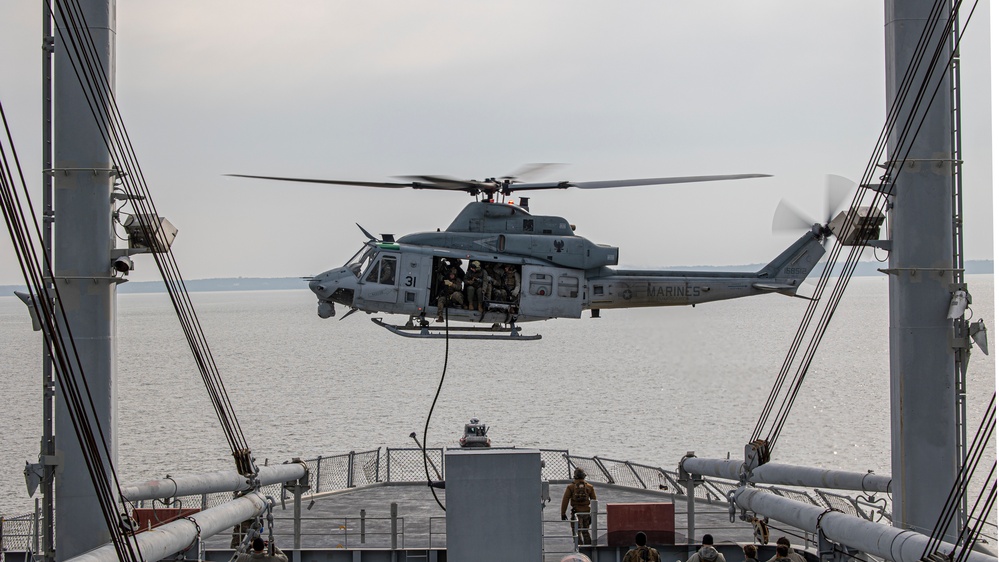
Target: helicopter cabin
[(432, 284)]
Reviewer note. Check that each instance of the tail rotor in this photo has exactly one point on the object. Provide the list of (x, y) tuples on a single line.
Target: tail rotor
[(788, 217)]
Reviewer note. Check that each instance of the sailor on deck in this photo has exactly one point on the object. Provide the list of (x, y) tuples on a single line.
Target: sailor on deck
[(579, 492), (707, 552)]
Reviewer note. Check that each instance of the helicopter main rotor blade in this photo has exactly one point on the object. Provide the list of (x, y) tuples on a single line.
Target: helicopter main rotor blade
[(630, 183), (442, 182), (333, 182), (527, 171)]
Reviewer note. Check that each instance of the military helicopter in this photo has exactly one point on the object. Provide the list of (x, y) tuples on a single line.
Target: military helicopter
[(529, 267)]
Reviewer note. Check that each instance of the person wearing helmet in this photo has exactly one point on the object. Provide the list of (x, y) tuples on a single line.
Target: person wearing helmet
[(578, 493), (473, 286)]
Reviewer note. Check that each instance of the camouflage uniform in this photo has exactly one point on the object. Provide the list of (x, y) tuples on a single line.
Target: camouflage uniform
[(448, 294), (473, 287), (580, 507), (509, 284), (642, 554)]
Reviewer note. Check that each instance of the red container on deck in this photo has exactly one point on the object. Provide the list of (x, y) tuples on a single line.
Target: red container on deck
[(656, 520), (151, 517)]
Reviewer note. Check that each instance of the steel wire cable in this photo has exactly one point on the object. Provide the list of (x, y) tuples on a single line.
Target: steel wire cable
[(813, 304), (983, 436), (976, 531), (105, 110), (128, 162), (849, 267), (905, 144), (893, 114), (66, 362)]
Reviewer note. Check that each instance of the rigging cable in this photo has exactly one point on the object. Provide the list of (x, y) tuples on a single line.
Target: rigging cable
[(89, 71), (813, 304), (983, 436), (882, 191), (60, 345)]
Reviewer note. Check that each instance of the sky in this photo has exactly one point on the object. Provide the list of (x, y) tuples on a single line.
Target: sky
[(371, 90)]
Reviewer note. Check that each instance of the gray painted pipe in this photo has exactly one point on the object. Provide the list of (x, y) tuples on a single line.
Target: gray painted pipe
[(790, 475), (883, 541), (222, 481), (164, 541)]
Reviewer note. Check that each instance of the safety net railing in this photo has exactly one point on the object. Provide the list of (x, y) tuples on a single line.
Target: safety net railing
[(406, 465)]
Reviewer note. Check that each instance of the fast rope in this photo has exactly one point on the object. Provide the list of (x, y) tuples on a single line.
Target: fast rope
[(440, 385), (784, 384), (93, 79)]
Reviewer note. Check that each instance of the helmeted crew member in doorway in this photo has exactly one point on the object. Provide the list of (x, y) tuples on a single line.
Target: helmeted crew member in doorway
[(707, 552), (579, 492), (474, 278)]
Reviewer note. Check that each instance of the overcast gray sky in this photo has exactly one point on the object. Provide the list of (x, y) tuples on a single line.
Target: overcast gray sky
[(370, 90)]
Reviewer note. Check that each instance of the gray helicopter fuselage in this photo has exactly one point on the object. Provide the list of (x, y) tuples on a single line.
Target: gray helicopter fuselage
[(560, 274)]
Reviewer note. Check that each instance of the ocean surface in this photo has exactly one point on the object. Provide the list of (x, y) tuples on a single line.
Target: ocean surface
[(644, 385)]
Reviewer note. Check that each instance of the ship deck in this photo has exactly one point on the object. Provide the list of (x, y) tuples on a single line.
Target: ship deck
[(360, 521)]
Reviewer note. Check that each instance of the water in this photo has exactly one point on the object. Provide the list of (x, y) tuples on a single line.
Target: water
[(641, 385)]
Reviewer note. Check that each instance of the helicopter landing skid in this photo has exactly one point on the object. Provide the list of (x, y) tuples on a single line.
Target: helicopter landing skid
[(457, 333)]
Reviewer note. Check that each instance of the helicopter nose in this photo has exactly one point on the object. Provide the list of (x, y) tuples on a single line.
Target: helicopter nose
[(316, 285)]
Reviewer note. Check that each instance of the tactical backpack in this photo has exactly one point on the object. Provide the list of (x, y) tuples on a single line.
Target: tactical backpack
[(579, 495)]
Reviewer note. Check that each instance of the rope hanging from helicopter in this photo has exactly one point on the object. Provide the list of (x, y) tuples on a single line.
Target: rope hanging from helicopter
[(93, 79), (47, 307), (426, 426), (785, 389)]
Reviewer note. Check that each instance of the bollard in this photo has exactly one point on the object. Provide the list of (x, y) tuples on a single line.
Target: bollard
[(362, 526), (394, 514)]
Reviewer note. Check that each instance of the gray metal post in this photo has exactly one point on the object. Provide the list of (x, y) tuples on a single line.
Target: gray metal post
[(350, 470), (47, 452), (298, 516), (362, 526), (690, 509), (923, 415), (394, 515), (83, 242), (594, 513)]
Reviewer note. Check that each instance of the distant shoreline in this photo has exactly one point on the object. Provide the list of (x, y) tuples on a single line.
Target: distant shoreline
[(864, 269)]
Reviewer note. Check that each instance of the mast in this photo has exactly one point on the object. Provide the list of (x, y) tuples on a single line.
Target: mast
[(82, 246), (922, 277)]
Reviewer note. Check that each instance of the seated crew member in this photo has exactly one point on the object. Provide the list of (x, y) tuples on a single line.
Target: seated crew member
[(449, 294), (473, 286)]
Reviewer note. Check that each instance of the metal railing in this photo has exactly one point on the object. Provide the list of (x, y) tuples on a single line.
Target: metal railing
[(336, 473)]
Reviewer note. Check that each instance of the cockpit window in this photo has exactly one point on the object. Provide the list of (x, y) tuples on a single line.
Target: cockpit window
[(360, 261), (383, 272)]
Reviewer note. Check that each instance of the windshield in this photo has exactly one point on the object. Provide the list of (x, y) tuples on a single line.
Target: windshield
[(360, 261)]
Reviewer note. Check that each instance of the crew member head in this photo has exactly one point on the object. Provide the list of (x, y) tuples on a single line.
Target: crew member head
[(258, 544), (640, 539), (579, 474), (708, 540)]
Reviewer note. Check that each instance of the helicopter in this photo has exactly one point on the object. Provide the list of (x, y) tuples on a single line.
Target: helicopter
[(529, 267)]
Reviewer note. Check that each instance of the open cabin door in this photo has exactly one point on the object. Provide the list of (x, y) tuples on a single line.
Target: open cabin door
[(551, 292)]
